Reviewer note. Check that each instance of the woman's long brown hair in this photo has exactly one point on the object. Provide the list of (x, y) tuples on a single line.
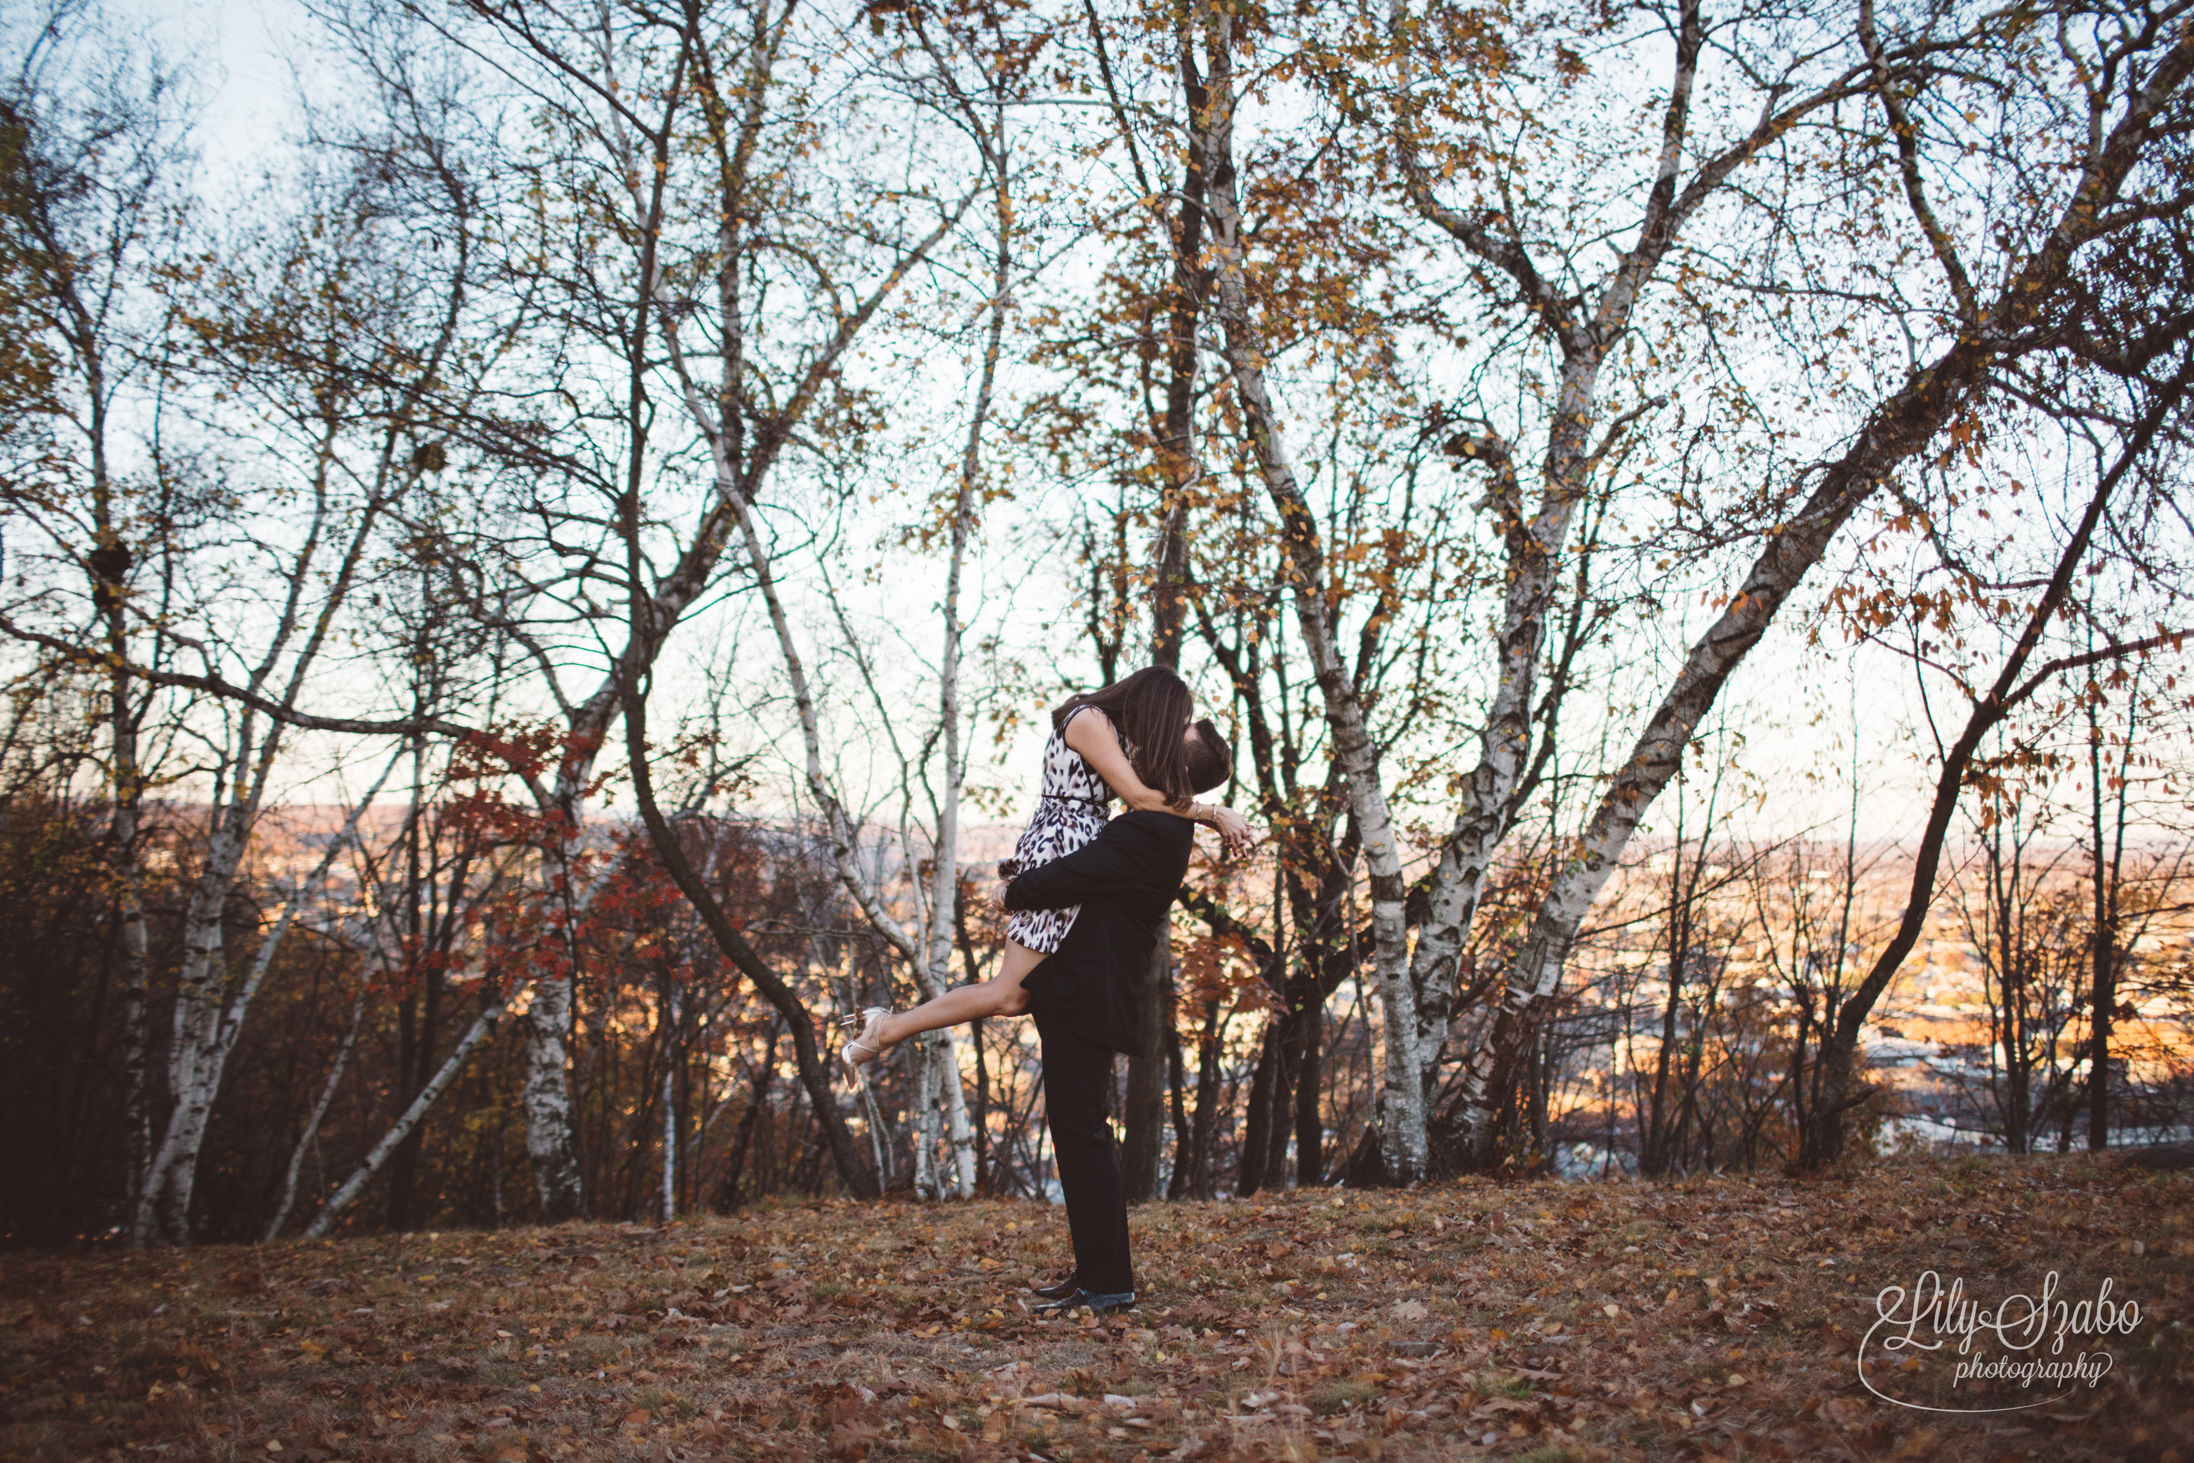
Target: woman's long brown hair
[(1150, 710)]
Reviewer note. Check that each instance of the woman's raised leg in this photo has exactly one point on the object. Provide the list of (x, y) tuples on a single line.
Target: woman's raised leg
[(1001, 995)]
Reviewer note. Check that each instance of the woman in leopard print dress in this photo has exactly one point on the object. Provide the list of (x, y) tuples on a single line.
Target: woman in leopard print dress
[(1130, 739), (1072, 805)]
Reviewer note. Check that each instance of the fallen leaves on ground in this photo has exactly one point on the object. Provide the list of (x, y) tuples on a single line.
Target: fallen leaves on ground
[(1703, 1319)]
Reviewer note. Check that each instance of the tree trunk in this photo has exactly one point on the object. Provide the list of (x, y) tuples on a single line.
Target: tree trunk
[(1402, 1089), (1309, 1090), (1143, 1112), (670, 1113), (1279, 1125), (2018, 1076), (1257, 1122), (126, 856), (402, 1127), (136, 1026), (320, 1108), (2005, 958), (1653, 1140), (209, 1020), (2105, 992), (414, 1065), (1205, 1126), (928, 1110), (985, 1170), (1896, 430), (552, 1148), (934, 969), (1184, 1138), (1533, 548), (194, 1051)]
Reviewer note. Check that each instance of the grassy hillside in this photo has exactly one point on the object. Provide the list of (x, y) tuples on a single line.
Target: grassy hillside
[(1710, 1318)]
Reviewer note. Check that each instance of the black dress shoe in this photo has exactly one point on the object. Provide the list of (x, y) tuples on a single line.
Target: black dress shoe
[(1087, 1300), (1062, 1290)]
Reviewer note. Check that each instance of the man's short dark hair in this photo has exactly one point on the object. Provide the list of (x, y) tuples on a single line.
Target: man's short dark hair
[(1210, 759)]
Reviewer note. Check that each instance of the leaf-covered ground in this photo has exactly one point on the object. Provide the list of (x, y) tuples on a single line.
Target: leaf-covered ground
[(1714, 1318)]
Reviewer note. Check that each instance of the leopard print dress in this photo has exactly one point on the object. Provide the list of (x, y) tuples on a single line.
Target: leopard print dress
[(1069, 813)]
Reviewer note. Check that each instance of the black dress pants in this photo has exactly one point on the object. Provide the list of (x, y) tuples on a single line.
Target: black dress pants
[(1077, 1094)]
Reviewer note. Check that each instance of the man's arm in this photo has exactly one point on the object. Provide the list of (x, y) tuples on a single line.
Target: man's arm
[(1123, 855)]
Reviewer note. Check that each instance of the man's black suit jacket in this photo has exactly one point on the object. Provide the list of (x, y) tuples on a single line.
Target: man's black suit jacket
[(1125, 879)]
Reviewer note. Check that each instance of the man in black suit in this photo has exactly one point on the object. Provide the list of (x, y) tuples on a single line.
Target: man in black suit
[(1088, 1000)]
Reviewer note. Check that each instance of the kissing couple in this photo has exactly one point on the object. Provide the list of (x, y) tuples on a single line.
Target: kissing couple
[(1088, 900)]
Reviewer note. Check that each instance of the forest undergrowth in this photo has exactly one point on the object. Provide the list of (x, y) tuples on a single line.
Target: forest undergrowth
[(1707, 1318)]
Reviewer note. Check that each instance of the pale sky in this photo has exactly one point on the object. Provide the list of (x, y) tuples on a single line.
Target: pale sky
[(248, 56)]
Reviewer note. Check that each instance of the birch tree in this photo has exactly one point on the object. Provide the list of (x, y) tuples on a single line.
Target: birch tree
[(673, 138), (1582, 302), (1174, 387), (1151, 409), (2109, 134), (1469, 124), (925, 70), (92, 157), (349, 497), (314, 328), (1403, 1079)]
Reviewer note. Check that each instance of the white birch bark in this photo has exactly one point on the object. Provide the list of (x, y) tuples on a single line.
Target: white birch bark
[(944, 894), (208, 1018), (928, 1100), (1583, 330), (944, 891), (136, 1016), (312, 1123), (744, 444), (545, 1093), (1402, 1136), (670, 1113), (842, 835), (123, 836), (194, 1047)]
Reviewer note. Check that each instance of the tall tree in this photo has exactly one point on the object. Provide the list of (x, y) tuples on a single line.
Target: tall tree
[(313, 323), (673, 138), (1167, 346), (2014, 320), (2111, 132), (713, 356), (91, 158)]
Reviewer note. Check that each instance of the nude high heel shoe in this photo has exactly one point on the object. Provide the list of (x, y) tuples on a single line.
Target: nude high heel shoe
[(869, 1044)]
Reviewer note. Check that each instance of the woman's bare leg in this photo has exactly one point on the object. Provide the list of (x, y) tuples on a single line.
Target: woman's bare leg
[(1001, 995)]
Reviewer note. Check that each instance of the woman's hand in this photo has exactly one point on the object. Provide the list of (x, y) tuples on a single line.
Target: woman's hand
[(1234, 829)]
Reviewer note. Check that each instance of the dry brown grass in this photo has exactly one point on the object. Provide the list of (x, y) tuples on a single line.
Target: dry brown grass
[(1711, 1318)]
